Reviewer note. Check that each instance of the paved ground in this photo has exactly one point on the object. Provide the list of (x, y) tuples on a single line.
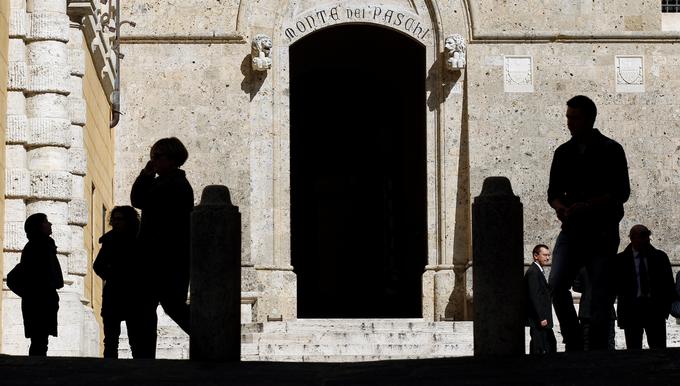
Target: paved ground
[(618, 368)]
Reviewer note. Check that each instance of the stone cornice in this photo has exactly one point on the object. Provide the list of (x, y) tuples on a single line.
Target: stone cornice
[(574, 37), (88, 14), (479, 35), (215, 38), (79, 8)]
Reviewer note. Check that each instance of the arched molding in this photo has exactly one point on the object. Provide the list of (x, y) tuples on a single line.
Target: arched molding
[(425, 15), (400, 19)]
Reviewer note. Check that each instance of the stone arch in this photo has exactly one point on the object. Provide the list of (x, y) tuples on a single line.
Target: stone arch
[(270, 118), (423, 12), (396, 18)]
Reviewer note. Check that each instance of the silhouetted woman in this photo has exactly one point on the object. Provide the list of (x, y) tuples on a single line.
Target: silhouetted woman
[(116, 264), (40, 302), (166, 199)]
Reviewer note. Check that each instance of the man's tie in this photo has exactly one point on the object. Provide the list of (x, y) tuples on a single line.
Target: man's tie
[(644, 278)]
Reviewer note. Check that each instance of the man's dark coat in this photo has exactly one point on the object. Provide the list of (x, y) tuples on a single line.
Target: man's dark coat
[(539, 306), (117, 264), (40, 302), (166, 203), (661, 285)]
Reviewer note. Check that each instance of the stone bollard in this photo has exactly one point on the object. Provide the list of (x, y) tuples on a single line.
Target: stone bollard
[(498, 270), (215, 278)]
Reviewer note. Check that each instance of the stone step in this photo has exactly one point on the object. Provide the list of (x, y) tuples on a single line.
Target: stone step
[(363, 325), (333, 337), (335, 358), (350, 340), (299, 349)]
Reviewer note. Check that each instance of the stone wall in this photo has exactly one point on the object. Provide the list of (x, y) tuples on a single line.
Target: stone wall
[(187, 73), (515, 133), (4, 61), (47, 157), (537, 17), (181, 18), (97, 183), (194, 92)]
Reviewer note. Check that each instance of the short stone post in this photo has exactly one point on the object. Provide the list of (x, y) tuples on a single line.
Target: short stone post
[(215, 278), (498, 270)]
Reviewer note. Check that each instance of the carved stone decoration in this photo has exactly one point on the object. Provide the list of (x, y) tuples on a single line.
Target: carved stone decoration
[(518, 74), (262, 52), (455, 52), (630, 74)]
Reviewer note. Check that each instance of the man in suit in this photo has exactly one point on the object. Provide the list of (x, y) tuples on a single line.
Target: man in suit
[(645, 290), (539, 306)]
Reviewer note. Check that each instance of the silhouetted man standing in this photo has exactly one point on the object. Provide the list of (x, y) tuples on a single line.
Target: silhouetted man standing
[(539, 306), (588, 187), (645, 290)]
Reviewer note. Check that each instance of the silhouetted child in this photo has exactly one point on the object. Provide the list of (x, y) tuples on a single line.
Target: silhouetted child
[(116, 264), (40, 302), (166, 199)]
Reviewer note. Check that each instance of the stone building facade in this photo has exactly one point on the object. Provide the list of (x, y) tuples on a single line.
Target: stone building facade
[(381, 117), (59, 154)]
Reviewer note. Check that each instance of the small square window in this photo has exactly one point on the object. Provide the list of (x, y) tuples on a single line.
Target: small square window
[(670, 6)]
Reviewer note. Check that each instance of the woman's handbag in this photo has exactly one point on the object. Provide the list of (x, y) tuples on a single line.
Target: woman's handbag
[(675, 306), (16, 280)]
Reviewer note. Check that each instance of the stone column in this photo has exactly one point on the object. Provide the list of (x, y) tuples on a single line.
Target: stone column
[(41, 167), (215, 277), (498, 269), (16, 176), (47, 146)]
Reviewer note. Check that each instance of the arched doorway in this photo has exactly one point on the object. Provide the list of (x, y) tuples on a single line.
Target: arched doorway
[(358, 172)]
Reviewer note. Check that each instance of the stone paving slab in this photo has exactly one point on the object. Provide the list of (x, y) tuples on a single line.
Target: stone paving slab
[(608, 368)]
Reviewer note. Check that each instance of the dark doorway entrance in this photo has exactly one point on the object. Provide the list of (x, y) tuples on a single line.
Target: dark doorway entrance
[(358, 173)]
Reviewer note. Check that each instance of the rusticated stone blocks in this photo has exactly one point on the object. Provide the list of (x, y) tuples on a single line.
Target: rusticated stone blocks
[(51, 185), (78, 161), (17, 183), (77, 212), (17, 23), (48, 26), (15, 237), (48, 69), (77, 262)]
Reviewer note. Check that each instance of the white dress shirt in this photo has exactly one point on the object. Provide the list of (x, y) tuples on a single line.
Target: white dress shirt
[(637, 270)]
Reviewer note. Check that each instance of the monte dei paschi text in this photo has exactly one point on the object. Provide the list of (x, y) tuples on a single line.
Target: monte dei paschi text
[(399, 19)]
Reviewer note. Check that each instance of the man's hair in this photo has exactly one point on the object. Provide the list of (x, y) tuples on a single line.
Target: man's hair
[(129, 214), (640, 230), (585, 105), (537, 249), (33, 225), (172, 148)]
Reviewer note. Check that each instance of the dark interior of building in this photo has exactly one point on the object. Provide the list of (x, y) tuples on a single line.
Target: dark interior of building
[(358, 173)]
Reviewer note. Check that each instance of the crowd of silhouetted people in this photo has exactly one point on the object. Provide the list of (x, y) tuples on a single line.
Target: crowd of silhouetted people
[(145, 262), (588, 186)]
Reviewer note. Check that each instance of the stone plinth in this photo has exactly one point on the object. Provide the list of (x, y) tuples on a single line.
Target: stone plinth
[(215, 277), (497, 242)]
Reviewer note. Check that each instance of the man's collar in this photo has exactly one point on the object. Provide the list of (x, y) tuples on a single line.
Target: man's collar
[(592, 136), (539, 266)]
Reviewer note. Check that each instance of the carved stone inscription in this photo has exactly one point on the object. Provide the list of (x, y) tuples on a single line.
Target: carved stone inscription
[(399, 19)]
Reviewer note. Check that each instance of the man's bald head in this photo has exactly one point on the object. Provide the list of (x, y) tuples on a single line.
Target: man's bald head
[(639, 237)]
